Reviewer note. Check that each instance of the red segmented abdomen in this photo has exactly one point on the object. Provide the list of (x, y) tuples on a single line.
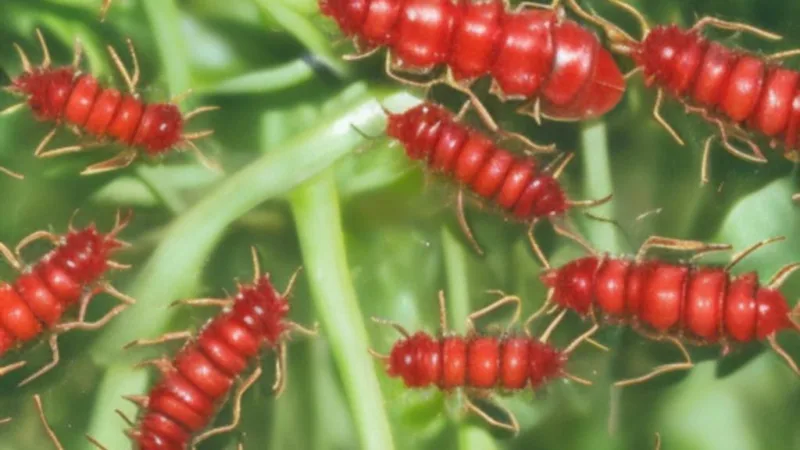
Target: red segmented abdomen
[(531, 54), (60, 95), (744, 88), (39, 297), (429, 133), (702, 302), (480, 362), (185, 401)]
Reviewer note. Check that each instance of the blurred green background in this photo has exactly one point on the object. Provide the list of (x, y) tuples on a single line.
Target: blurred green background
[(376, 237)]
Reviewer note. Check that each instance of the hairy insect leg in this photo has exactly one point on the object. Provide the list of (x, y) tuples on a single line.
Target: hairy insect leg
[(130, 81), (678, 245), (474, 103), (781, 275), (77, 54), (237, 410), (585, 337), (773, 342), (512, 424), (13, 108), (23, 57), (499, 303), (755, 155), (709, 21), (399, 328), (207, 162), (614, 33), (37, 236), (53, 343), (53, 438), (664, 368), (5, 420), (45, 51), (216, 302), (11, 367), (69, 149), (464, 225), (573, 236), (43, 143), (738, 257), (174, 336), (197, 111), (287, 291), (550, 328), (95, 442), (280, 370), (783, 55), (658, 442), (660, 119), (535, 246), (11, 257), (120, 161), (538, 313), (81, 323)]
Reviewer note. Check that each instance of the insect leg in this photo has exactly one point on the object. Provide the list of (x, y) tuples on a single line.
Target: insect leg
[(36, 236), (773, 342), (548, 301), (218, 302), (53, 343), (12, 259), (11, 367), (104, 9), (464, 225), (550, 328), (678, 245), (512, 424), (709, 21), (130, 81), (738, 257), (174, 336), (46, 140), (280, 371), (781, 275), (237, 409), (664, 368), (13, 108), (499, 303), (53, 438), (662, 121), (122, 160), (45, 51)]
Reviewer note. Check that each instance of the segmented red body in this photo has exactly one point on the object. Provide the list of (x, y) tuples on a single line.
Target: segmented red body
[(40, 296), (744, 88), (480, 362), (704, 303), (186, 399), (65, 96), (430, 133), (530, 54)]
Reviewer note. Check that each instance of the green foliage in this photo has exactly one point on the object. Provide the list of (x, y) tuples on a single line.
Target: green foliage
[(375, 236)]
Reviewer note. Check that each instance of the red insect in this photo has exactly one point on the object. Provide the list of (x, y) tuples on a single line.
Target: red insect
[(741, 93), (477, 362), (536, 55), (516, 184), (699, 304), (68, 97), (69, 275), (196, 382)]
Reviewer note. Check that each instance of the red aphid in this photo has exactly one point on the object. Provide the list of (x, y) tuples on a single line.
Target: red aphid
[(701, 304), (737, 91), (517, 184), (67, 276), (476, 361), (201, 376), (66, 96), (531, 54)]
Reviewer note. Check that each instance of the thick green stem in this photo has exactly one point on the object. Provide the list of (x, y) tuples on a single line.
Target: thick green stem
[(316, 211), (598, 184)]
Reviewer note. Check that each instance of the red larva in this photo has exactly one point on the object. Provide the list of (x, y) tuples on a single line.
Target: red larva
[(535, 55), (700, 304), (202, 375), (732, 89), (65, 96), (475, 361), (516, 184), (68, 276)]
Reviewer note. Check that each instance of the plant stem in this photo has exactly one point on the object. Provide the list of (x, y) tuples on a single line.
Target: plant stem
[(316, 210), (598, 184)]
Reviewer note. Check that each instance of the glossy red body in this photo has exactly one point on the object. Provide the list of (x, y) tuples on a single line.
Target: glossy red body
[(745, 89), (430, 133), (202, 374), (38, 298), (706, 304), (63, 96), (479, 362), (531, 54)]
